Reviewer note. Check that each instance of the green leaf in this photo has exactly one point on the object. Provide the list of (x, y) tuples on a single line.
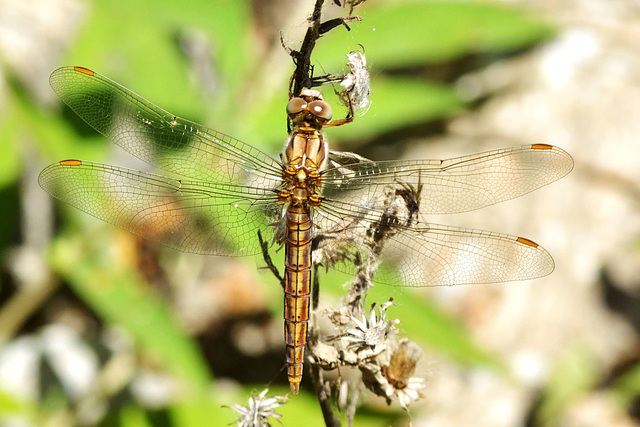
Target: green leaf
[(11, 405), (133, 416), (402, 34), (398, 103), (141, 50), (197, 412), (119, 296), (10, 164)]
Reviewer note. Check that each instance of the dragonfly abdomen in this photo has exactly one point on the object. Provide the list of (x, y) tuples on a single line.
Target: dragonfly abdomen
[(297, 290)]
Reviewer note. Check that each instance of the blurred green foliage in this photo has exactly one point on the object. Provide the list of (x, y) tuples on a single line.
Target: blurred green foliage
[(627, 387), (136, 43), (573, 375), (118, 296)]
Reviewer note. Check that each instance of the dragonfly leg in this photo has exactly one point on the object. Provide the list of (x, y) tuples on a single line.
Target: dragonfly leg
[(350, 114), (315, 291), (267, 259)]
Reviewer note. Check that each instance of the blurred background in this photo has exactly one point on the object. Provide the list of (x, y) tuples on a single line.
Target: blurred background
[(98, 327)]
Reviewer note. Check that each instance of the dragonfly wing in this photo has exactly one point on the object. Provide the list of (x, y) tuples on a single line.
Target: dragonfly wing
[(191, 216), (435, 255), (373, 210), (445, 186), (156, 136)]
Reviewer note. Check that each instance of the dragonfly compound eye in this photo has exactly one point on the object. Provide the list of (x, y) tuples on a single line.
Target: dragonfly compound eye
[(295, 106), (321, 109)]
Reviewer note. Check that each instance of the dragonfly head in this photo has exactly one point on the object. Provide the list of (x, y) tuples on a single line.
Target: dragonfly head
[(309, 105)]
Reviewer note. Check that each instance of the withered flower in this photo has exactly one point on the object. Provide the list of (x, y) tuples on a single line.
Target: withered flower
[(259, 409), (399, 373), (372, 332), (356, 83)]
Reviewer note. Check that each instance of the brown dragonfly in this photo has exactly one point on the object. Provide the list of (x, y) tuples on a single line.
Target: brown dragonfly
[(222, 192)]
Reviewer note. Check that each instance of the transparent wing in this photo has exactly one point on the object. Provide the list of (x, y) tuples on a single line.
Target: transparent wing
[(158, 137), (435, 255), (364, 201), (190, 216), (447, 186)]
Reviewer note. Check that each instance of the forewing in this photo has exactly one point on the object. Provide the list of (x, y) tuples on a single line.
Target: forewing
[(156, 136), (446, 186), (190, 216)]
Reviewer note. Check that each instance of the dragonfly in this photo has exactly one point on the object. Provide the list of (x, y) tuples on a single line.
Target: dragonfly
[(221, 196)]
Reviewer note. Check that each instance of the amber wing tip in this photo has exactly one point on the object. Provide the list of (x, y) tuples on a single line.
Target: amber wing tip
[(295, 387), (83, 70), (527, 242), (70, 162)]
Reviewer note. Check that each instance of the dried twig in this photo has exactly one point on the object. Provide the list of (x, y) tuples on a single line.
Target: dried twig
[(303, 75)]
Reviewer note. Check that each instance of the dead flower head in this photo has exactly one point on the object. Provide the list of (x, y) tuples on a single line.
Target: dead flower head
[(371, 332), (356, 83), (399, 373), (259, 409), (390, 375)]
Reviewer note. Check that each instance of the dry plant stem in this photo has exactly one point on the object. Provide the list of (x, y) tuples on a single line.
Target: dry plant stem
[(302, 77), (350, 412), (358, 292), (386, 227), (323, 392), (321, 388), (302, 58), (315, 295)]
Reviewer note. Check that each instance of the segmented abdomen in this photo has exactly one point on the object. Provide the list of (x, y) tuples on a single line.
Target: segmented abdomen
[(297, 290)]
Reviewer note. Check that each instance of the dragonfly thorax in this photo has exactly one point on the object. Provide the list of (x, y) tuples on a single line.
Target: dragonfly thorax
[(299, 196), (305, 154)]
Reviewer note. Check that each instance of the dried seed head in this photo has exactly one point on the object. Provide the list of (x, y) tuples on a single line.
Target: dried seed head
[(372, 332), (356, 83), (259, 410), (399, 373)]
